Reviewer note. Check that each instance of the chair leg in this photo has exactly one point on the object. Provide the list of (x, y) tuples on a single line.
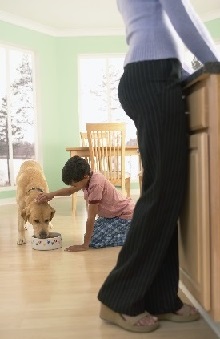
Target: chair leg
[(74, 202), (128, 187), (140, 183)]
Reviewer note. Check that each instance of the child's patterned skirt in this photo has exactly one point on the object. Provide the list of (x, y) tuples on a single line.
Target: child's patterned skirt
[(109, 232)]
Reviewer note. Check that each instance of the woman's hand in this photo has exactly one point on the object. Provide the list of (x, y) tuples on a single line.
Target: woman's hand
[(44, 197), (77, 248)]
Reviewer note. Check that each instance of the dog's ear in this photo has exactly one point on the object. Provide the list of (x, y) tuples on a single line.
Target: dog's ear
[(25, 213), (52, 213)]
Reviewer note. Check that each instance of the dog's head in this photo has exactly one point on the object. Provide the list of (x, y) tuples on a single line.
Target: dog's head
[(39, 215)]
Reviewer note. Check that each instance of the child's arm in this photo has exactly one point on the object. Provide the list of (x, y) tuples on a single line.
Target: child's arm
[(44, 197), (92, 212)]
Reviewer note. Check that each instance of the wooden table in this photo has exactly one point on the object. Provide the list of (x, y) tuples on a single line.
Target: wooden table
[(84, 151)]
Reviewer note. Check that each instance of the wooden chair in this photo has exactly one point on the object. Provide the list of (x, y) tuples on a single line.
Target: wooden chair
[(107, 152), (85, 143), (84, 139)]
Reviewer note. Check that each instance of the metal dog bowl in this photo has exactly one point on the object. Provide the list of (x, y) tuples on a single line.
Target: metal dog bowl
[(53, 242)]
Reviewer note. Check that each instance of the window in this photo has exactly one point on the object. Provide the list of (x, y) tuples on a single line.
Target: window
[(192, 61), (17, 112), (99, 78), (98, 97)]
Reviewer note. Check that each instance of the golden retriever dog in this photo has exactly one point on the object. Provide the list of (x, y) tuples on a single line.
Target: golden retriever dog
[(30, 182)]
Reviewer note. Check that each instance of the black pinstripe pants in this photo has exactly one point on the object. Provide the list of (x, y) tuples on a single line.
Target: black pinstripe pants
[(147, 271)]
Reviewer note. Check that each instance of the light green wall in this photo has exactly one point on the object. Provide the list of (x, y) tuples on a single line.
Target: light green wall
[(44, 48), (57, 88), (214, 28), (67, 51), (64, 130)]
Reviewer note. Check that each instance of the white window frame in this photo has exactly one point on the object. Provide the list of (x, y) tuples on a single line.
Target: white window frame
[(8, 48), (91, 56)]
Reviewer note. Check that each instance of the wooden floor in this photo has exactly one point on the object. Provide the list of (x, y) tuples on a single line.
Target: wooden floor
[(53, 294)]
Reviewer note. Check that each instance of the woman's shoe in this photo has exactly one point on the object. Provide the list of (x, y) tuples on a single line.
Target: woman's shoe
[(185, 316), (129, 324)]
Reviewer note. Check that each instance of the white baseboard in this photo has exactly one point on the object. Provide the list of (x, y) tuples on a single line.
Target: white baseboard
[(8, 201), (134, 192), (214, 325)]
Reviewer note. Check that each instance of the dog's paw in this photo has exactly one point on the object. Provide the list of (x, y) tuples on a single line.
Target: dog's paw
[(21, 241)]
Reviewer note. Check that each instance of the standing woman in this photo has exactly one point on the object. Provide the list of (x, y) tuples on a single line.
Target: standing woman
[(145, 278)]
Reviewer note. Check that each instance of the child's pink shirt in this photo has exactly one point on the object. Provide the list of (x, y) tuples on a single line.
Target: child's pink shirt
[(111, 202)]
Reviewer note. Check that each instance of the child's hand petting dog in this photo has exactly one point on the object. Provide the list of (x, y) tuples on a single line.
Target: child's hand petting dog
[(44, 197)]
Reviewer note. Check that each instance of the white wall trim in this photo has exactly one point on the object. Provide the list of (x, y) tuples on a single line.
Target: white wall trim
[(134, 192), (26, 23), (8, 201), (90, 32), (212, 324), (55, 32), (212, 15)]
